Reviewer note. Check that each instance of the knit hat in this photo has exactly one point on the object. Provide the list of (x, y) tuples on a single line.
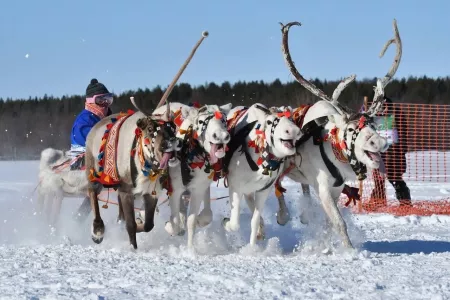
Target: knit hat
[(95, 88)]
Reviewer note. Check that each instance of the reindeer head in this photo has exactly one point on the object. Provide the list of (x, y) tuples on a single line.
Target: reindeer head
[(280, 131), (159, 142), (362, 141), (210, 126)]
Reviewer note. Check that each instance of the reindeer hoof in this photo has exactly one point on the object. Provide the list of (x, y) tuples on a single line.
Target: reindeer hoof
[(97, 231), (260, 237), (225, 221), (170, 230), (283, 219), (97, 240), (139, 221), (204, 218)]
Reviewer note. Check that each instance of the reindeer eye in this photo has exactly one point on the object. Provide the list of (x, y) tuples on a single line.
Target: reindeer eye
[(200, 122), (269, 122), (350, 130)]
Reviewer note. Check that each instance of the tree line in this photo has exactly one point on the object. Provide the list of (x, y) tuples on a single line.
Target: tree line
[(27, 126)]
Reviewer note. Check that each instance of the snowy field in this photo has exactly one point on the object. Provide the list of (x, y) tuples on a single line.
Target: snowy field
[(396, 257)]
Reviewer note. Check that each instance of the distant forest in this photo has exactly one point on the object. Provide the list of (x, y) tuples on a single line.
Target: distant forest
[(27, 126)]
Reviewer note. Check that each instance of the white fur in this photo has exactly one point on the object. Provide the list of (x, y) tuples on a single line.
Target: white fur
[(53, 187), (245, 182), (310, 169), (199, 187)]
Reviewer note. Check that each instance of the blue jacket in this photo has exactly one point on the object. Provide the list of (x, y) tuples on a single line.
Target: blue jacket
[(83, 125)]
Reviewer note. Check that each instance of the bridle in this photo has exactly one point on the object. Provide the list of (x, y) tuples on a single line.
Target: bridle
[(358, 167), (150, 165)]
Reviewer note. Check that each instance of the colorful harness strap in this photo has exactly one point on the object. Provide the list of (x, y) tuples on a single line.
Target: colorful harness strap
[(107, 173)]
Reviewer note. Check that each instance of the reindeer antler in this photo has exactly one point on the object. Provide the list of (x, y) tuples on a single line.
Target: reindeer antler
[(378, 99), (300, 79), (138, 108)]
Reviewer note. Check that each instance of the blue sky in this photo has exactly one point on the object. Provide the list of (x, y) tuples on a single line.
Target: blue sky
[(142, 43)]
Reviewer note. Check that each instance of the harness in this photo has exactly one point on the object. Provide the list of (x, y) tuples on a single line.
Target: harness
[(150, 167), (192, 154), (267, 160), (359, 168), (341, 151)]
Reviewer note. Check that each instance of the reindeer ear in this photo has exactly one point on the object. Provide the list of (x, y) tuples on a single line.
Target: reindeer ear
[(185, 111), (226, 108), (145, 124), (193, 113), (142, 123)]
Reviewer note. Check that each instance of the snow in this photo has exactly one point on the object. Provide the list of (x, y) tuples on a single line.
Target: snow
[(396, 257)]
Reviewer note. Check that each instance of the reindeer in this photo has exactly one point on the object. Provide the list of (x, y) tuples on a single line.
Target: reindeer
[(265, 140), (348, 142), (58, 181), (205, 138), (146, 146)]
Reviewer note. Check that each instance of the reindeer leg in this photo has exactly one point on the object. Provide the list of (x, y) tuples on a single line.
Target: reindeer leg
[(250, 199), (173, 226), (232, 223), (150, 207), (283, 215), (127, 200), (194, 207), (121, 215), (184, 204), (56, 208), (260, 200), (40, 201), (205, 217), (98, 227), (328, 197), (84, 210)]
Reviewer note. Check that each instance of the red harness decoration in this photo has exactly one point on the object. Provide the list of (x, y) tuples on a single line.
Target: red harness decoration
[(107, 173), (336, 145), (178, 118), (235, 118), (299, 115), (279, 190)]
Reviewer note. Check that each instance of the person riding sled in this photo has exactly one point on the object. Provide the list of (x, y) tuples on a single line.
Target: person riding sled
[(97, 106)]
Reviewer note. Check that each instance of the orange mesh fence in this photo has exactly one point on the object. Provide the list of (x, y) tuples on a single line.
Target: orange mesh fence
[(417, 166)]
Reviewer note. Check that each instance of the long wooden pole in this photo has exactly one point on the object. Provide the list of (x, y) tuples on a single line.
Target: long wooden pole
[(183, 67)]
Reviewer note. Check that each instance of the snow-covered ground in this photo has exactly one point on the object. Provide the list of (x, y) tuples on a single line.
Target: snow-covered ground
[(396, 257)]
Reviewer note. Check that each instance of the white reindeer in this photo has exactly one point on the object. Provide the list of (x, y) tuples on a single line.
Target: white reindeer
[(205, 138), (260, 142), (348, 143), (57, 181)]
